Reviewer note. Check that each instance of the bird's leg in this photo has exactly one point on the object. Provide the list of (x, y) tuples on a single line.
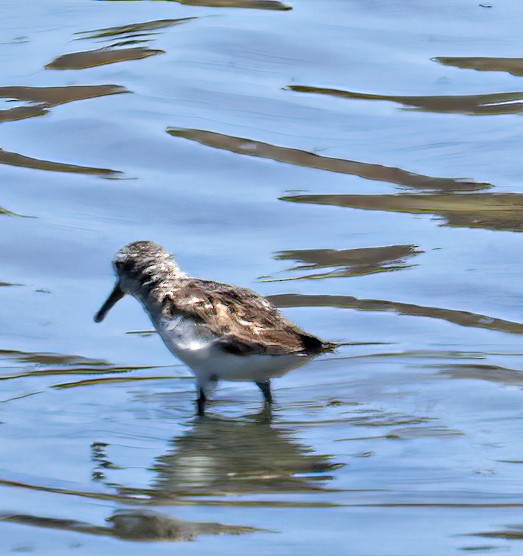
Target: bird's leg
[(205, 387), (200, 402), (265, 387)]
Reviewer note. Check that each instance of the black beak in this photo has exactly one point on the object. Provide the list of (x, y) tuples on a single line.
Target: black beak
[(115, 296)]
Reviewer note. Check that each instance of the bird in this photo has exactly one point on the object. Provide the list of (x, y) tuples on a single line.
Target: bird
[(220, 331)]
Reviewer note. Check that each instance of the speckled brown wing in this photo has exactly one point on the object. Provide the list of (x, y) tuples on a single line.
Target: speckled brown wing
[(247, 322)]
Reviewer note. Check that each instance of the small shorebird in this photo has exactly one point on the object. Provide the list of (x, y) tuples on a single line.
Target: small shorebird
[(221, 332)]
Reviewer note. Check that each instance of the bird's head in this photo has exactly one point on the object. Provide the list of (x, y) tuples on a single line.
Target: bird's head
[(135, 265)]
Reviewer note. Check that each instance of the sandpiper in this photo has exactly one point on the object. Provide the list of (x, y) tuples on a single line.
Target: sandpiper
[(222, 332)]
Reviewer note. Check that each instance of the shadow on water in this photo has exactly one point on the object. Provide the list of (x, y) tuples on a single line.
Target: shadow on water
[(253, 4), (297, 157), (488, 104), (490, 211), (347, 262), (135, 525), (509, 65), (463, 318)]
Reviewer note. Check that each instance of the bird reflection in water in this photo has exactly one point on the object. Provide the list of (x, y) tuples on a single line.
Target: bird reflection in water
[(219, 457), (216, 457)]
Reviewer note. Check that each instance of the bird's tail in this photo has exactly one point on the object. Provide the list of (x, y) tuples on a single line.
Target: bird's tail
[(315, 346)]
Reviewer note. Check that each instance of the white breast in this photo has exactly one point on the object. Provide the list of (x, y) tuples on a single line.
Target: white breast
[(197, 347)]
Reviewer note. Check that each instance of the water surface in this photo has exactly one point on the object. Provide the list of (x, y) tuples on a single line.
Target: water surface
[(359, 163)]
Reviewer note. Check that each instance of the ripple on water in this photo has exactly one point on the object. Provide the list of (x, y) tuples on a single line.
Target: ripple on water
[(509, 65), (253, 4), (463, 318), (346, 262), (44, 98), (298, 157), (490, 211), (482, 105)]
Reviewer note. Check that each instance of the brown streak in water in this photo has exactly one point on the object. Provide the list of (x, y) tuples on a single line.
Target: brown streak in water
[(129, 42), (425, 354), (140, 494), (46, 97), (341, 273), (298, 157), (132, 28), (439, 505), (22, 396), (490, 373), (15, 159), (136, 525), (111, 380), (50, 358), (411, 433), (139, 499), (508, 534), (509, 65), (491, 211), (353, 262), (76, 371), (52, 96), (318, 258), (100, 57), (22, 112), (495, 103), (6, 212), (253, 4), (54, 523), (463, 318), (82, 494)]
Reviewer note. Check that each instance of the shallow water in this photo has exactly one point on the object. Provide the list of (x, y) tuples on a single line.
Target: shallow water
[(359, 162)]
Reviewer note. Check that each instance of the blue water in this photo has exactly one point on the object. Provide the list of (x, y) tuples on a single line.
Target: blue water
[(407, 444)]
